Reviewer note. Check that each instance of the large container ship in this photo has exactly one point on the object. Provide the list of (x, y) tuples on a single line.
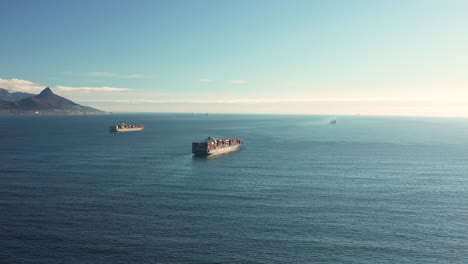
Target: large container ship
[(122, 127), (213, 146)]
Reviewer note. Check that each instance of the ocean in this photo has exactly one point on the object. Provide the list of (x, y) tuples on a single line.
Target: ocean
[(300, 190)]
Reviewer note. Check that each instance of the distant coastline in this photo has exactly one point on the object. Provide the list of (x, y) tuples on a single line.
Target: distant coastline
[(45, 103)]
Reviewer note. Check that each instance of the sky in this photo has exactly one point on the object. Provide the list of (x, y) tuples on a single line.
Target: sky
[(336, 57)]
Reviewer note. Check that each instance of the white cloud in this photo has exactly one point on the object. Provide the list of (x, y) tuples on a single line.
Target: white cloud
[(238, 81), (206, 80), (88, 89), (17, 85), (111, 74)]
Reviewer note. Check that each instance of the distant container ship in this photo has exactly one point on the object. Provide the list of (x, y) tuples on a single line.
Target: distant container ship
[(122, 127), (212, 146)]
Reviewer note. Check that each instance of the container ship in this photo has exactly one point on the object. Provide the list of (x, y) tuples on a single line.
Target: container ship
[(213, 146), (122, 127)]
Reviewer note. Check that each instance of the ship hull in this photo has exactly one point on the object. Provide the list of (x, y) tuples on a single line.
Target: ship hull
[(115, 130), (214, 146), (212, 152)]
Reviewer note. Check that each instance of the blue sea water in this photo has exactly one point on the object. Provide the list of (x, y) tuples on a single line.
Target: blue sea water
[(367, 190)]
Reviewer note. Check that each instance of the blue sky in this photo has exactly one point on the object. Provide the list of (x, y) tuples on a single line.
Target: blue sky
[(306, 57)]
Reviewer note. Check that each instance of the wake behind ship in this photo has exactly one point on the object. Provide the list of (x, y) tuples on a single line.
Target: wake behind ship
[(213, 146), (122, 127)]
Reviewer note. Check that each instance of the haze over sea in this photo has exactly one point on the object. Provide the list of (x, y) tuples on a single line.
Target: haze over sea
[(367, 190)]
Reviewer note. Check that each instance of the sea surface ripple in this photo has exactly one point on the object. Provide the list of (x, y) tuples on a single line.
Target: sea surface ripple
[(367, 190)]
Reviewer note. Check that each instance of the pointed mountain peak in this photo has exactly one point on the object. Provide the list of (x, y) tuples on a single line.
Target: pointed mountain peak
[(46, 92)]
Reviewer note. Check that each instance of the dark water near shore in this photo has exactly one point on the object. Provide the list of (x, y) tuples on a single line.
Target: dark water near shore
[(368, 190)]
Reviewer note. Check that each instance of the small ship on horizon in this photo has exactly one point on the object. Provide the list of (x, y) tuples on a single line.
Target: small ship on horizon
[(122, 127)]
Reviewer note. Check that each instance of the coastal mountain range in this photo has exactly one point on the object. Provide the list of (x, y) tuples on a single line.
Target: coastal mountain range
[(45, 103), (6, 97)]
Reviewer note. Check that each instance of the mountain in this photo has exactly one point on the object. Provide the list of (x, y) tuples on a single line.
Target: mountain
[(47, 103), (6, 96)]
